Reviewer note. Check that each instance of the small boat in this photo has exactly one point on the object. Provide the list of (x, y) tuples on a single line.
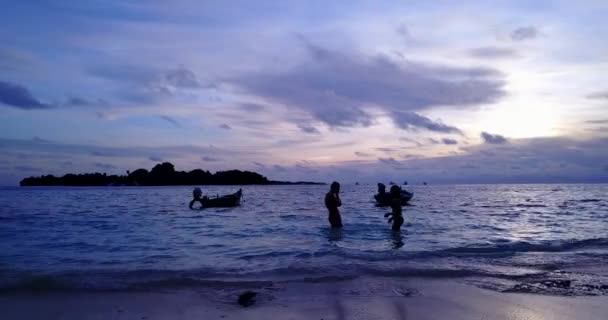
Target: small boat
[(227, 201), (384, 199)]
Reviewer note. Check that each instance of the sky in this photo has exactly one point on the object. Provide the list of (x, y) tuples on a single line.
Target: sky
[(433, 91)]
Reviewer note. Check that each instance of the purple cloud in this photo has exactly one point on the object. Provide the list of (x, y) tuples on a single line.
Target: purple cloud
[(524, 33), (449, 141), (182, 78), (17, 96), (104, 166), (415, 142), (308, 129), (336, 88), (599, 95), (40, 140), (303, 166), (72, 150), (493, 138), (258, 164), (254, 107), (279, 168), (390, 161), (493, 53), (171, 121), (82, 102), (363, 154), (26, 168), (146, 84), (104, 154), (412, 121), (403, 30), (386, 150)]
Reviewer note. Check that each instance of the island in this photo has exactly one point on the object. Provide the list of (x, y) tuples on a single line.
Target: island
[(162, 174)]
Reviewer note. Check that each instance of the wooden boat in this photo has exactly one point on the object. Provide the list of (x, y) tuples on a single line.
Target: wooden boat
[(384, 199), (227, 201)]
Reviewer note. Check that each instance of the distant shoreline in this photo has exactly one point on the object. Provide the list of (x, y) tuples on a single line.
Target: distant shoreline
[(274, 183), (163, 174)]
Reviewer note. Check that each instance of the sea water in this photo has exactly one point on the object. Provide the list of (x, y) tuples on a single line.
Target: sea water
[(529, 238)]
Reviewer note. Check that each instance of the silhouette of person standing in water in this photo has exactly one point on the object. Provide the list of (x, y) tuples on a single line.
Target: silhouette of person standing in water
[(381, 189), (332, 202), (397, 218), (196, 195)]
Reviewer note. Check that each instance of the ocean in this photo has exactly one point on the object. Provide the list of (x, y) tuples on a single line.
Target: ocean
[(547, 239)]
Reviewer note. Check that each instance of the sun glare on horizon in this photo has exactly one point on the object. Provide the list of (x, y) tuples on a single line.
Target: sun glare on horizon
[(521, 121)]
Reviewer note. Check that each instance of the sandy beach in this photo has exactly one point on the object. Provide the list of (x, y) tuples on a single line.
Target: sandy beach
[(364, 298)]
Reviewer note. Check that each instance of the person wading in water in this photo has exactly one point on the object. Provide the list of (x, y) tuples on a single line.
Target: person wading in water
[(332, 202), (397, 216), (197, 194)]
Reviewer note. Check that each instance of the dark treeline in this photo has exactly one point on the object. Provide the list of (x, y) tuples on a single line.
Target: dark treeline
[(162, 174)]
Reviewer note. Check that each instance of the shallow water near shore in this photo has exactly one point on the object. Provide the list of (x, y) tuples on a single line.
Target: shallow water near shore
[(549, 239)]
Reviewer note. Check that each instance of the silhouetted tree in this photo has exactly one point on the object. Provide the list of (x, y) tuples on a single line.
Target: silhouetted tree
[(163, 169), (139, 176)]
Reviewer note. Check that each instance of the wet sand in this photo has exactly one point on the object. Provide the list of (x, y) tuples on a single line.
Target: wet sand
[(365, 298)]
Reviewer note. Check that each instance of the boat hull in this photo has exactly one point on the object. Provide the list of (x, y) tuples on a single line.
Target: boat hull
[(228, 201)]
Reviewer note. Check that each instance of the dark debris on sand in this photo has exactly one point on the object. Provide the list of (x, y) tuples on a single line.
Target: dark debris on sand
[(247, 298)]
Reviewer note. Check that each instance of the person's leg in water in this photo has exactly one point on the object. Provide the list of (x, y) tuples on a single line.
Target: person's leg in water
[(397, 222), (335, 220)]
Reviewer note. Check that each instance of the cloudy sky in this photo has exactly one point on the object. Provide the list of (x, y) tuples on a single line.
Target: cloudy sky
[(500, 91)]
